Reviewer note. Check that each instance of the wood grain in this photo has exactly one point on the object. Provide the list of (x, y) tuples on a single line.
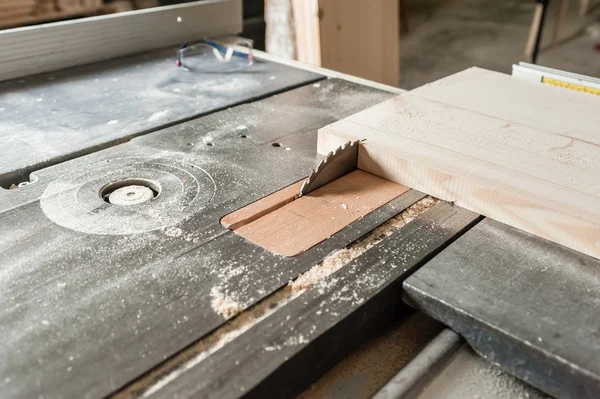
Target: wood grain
[(361, 37), (303, 223), (308, 34), (357, 37), (265, 205), (472, 139)]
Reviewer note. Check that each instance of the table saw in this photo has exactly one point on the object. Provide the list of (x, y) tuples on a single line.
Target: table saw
[(159, 299)]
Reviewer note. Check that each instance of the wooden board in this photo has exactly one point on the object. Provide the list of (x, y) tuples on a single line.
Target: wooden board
[(301, 224), (527, 155), (361, 38), (357, 37)]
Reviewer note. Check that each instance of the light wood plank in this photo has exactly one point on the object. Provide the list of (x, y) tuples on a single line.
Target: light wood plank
[(361, 37), (305, 222), (473, 138), (308, 36), (357, 37), (548, 108)]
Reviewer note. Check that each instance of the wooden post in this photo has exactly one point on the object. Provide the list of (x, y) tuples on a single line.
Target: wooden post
[(559, 21), (357, 37), (280, 38), (534, 41), (584, 6)]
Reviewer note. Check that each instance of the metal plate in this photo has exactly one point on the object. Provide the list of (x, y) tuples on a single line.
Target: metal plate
[(85, 313), (524, 303), (49, 118)]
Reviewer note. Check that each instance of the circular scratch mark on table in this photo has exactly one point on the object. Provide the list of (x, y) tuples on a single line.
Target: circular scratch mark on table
[(75, 202)]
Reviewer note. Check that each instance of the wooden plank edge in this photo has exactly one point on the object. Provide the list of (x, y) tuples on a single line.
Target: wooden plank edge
[(578, 233)]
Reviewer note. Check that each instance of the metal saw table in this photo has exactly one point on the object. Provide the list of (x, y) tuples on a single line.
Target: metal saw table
[(102, 301)]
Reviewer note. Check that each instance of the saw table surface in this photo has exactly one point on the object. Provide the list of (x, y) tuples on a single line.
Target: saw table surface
[(160, 300), (52, 117)]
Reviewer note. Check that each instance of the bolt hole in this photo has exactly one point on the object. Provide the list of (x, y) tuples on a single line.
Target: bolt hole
[(209, 144), (109, 188), (276, 144), (244, 136)]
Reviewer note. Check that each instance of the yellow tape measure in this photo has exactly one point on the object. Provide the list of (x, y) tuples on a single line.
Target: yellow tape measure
[(572, 86)]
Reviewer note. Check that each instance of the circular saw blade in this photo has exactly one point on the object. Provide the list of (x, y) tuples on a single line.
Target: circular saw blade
[(335, 165)]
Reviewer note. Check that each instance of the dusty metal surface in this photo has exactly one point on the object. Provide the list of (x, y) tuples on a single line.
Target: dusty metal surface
[(96, 294), (522, 302), (443, 346), (52, 117), (367, 369), (315, 330), (467, 376)]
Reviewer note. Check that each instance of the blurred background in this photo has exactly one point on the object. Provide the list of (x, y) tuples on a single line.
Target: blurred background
[(434, 37)]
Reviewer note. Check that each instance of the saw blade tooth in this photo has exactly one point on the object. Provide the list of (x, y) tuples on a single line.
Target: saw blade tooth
[(319, 166), (304, 185), (314, 180)]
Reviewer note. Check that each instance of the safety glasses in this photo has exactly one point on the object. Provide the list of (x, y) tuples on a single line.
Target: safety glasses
[(221, 55)]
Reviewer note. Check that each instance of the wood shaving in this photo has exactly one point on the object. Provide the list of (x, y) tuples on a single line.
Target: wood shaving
[(337, 260), (241, 322), (184, 361), (223, 304)]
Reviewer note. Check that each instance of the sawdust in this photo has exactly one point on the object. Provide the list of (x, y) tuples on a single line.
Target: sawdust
[(174, 232), (240, 322), (223, 304), (171, 369), (374, 363), (337, 260)]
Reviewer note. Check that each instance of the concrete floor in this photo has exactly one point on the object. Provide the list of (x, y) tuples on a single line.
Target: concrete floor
[(447, 36)]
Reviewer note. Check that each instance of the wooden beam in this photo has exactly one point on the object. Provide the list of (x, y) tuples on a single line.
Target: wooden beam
[(559, 20), (307, 29), (357, 37), (533, 29), (361, 38), (525, 154)]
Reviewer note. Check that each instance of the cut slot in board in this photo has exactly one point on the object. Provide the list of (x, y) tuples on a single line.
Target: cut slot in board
[(289, 227), (525, 154)]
